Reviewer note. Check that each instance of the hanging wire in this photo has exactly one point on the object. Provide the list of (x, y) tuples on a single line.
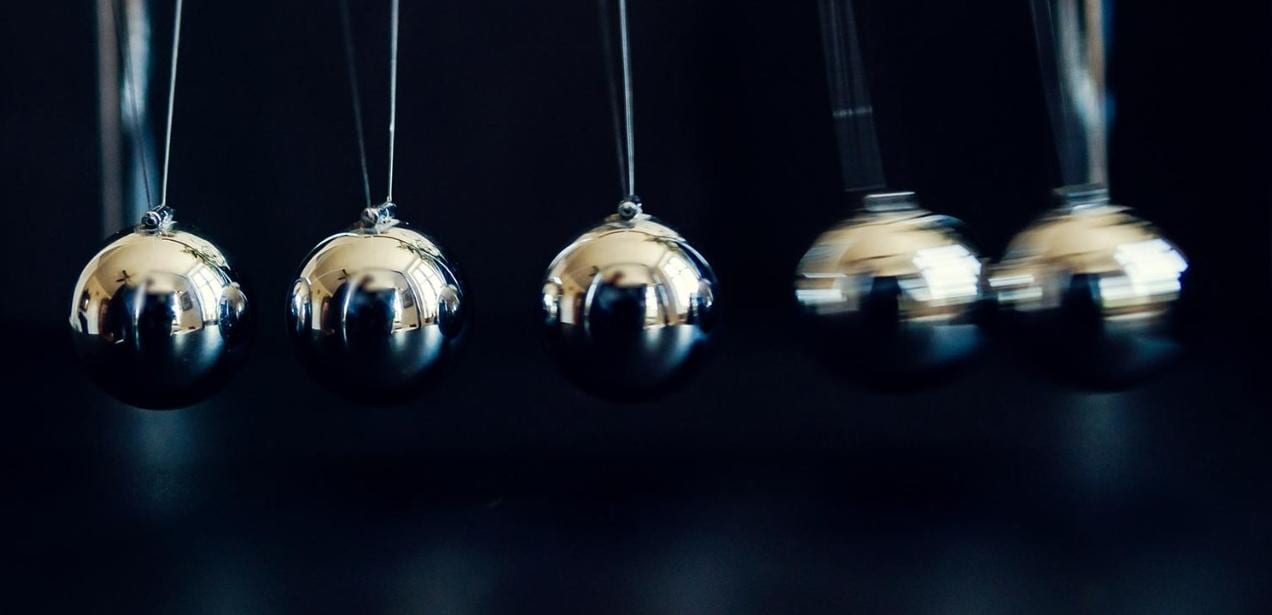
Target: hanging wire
[(172, 95), (373, 215), (624, 127), (860, 159), (133, 95), (1071, 38), (356, 98), (393, 73), (611, 78), (629, 119)]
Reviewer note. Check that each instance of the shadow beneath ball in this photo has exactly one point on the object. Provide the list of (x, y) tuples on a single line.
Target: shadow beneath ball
[(881, 348), (619, 356), (629, 366), (143, 360), (1079, 345), (377, 370), (366, 357)]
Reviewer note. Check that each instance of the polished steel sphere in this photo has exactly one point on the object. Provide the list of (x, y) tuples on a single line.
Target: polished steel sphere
[(376, 312), (1093, 291), (891, 295), (629, 307), (158, 318)]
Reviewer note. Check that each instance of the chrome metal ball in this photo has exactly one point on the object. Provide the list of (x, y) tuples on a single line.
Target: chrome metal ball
[(629, 307), (159, 319), (1093, 291), (891, 295), (377, 311)]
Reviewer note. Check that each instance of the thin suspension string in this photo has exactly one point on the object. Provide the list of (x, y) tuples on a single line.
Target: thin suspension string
[(172, 95), (860, 159), (1071, 41), (629, 119), (351, 65), (393, 72), (133, 94), (611, 79), (1096, 43)]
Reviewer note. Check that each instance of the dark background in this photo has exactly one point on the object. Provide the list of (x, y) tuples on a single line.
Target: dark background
[(768, 484)]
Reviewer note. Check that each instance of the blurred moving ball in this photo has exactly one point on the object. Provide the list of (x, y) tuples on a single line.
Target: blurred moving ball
[(377, 311), (891, 294), (1092, 290), (159, 319), (629, 307)]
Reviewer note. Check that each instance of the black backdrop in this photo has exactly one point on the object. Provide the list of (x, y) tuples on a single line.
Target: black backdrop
[(766, 485)]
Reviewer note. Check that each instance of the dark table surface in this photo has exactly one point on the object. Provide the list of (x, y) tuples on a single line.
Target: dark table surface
[(1003, 492), (768, 484)]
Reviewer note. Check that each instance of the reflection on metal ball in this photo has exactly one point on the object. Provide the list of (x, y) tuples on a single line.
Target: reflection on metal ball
[(629, 307), (1093, 291), (377, 311), (159, 319), (891, 295)]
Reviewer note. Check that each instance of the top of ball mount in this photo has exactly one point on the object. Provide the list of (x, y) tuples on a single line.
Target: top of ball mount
[(630, 207), (378, 217), (1082, 195), (889, 201), (157, 219)]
